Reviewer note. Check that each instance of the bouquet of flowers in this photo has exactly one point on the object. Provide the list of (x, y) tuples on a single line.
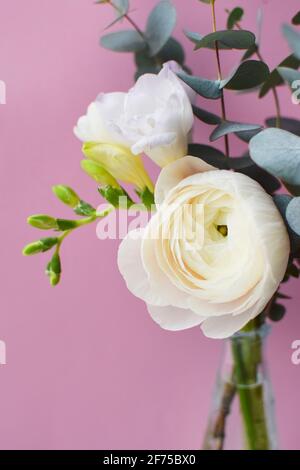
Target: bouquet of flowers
[(221, 234)]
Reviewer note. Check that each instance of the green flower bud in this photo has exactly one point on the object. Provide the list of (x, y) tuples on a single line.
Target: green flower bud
[(116, 197), (66, 195), (44, 244), (53, 269), (98, 173), (119, 162), (54, 279), (43, 222), (65, 224), (147, 198), (56, 264), (83, 208)]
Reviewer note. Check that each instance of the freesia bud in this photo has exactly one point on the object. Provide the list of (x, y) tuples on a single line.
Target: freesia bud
[(53, 269), (98, 173), (117, 197), (43, 222), (120, 163), (66, 195), (44, 244)]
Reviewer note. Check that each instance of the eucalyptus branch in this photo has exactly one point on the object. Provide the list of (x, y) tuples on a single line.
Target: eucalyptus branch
[(223, 107), (129, 19), (274, 89)]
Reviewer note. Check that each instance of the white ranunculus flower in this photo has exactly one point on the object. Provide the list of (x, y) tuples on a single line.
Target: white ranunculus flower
[(216, 263), (155, 117)]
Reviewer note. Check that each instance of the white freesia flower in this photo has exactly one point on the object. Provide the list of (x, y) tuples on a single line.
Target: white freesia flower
[(98, 123), (176, 68), (154, 117), (216, 263)]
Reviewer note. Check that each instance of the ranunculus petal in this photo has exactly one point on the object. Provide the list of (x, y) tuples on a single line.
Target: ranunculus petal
[(174, 318), (175, 172), (226, 325), (156, 290)]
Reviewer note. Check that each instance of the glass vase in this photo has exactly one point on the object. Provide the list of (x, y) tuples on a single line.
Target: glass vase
[(242, 412)]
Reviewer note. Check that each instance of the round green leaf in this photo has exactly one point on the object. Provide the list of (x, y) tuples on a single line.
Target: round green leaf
[(209, 154), (296, 19), (277, 312), (122, 6), (289, 75), (275, 78), (241, 39), (229, 127), (123, 41), (160, 25), (234, 17), (206, 88), (172, 50), (288, 124), (206, 116), (278, 152), (247, 135), (248, 74), (282, 201), (293, 214), (293, 39), (196, 38)]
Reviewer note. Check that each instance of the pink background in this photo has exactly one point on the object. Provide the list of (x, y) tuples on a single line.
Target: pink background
[(86, 366)]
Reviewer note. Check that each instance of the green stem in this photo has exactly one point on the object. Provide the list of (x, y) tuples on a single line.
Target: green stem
[(274, 89), (223, 107), (130, 20), (81, 223), (247, 354)]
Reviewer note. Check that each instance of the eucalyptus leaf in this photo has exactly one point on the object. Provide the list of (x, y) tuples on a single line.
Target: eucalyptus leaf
[(210, 155), (275, 78), (206, 116), (233, 39), (278, 152), (229, 127), (234, 17), (267, 181), (294, 190), (296, 19), (172, 50), (160, 25), (122, 6), (248, 74), (206, 88), (288, 124), (147, 69), (238, 163), (293, 39), (289, 75), (277, 312), (246, 136), (293, 214), (123, 41), (196, 38), (282, 201), (250, 52)]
